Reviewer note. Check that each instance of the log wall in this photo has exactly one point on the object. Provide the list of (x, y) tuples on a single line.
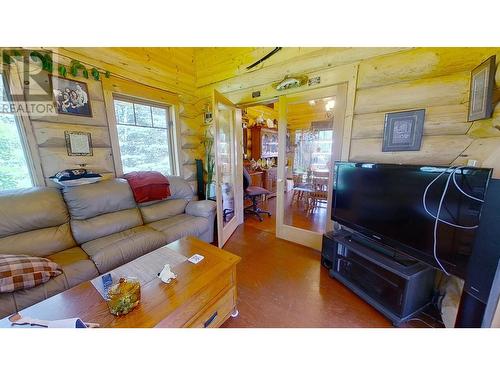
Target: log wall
[(389, 80)]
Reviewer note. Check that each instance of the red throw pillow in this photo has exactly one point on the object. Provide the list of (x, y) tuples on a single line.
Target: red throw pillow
[(148, 186), (23, 272)]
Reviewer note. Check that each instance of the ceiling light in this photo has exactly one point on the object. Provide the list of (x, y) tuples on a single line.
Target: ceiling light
[(329, 105)]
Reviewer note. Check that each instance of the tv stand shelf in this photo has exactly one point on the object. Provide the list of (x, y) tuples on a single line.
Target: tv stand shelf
[(396, 285)]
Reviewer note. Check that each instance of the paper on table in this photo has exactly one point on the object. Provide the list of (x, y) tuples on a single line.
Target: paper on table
[(144, 268), (67, 323), (62, 323)]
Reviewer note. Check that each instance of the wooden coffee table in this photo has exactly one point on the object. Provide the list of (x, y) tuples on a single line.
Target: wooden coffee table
[(203, 295)]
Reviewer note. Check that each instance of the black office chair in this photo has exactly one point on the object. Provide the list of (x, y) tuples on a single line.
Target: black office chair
[(253, 193)]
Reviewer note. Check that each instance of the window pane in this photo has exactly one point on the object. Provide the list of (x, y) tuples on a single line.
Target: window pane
[(143, 115), (2, 93), (159, 117), (124, 112), (144, 149), (14, 171)]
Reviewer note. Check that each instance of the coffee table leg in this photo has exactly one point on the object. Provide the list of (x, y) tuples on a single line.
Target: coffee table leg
[(235, 313)]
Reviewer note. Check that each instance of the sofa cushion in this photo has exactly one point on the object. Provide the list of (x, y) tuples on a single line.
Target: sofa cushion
[(180, 188), (101, 209), (76, 266), (180, 226), (40, 242), (18, 272), (105, 225), (34, 222), (24, 210), (112, 251), (92, 200), (162, 209)]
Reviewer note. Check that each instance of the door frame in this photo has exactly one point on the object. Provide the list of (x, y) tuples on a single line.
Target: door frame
[(224, 232), (343, 77), (303, 236)]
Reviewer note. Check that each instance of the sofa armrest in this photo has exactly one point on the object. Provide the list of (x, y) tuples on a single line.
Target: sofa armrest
[(204, 208)]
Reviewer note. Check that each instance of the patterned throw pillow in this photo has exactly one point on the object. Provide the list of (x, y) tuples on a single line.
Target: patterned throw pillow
[(24, 272)]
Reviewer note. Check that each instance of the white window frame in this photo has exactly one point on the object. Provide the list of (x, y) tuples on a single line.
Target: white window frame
[(172, 128), (13, 83)]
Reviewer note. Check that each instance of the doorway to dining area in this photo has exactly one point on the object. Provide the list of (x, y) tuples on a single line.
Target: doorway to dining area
[(308, 162), (290, 145)]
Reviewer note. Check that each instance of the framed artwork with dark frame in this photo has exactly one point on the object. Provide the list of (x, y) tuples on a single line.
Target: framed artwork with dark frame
[(482, 81), (71, 97), (403, 131), (78, 143)]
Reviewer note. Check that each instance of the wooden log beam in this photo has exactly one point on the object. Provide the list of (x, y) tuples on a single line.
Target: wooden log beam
[(435, 150), (421, 63), (438, 91), (52, 135), (439, 120), (308, 63)]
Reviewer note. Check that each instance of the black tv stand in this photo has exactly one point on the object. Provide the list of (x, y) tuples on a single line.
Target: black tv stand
[(398, 257), (395, 284)]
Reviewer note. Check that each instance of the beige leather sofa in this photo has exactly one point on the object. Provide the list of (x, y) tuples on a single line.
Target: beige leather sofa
[(91, 229)]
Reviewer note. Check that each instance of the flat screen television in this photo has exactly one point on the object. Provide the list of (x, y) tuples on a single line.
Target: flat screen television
[(384, 202)]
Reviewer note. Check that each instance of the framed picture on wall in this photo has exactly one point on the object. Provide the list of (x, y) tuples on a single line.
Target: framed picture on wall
[(78, 143), (71, 97), (403, 131), (482, 81)]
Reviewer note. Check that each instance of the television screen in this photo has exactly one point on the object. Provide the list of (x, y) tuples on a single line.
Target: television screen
[(385, 202)]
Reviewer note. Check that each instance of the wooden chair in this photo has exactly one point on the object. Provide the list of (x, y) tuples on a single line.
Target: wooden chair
[(300, 188), (318, 198)]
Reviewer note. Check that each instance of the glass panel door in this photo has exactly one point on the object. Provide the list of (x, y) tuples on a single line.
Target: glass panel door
[(229, 164), (306, 136)]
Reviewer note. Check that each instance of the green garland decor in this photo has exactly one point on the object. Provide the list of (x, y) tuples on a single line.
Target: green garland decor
[(8, 57)]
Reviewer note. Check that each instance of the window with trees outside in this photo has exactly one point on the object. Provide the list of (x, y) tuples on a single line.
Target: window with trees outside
[(313, 150), (14, 168), (145, 136)]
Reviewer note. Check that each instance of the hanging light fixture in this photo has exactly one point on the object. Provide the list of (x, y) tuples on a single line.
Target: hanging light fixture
[(330, 104)]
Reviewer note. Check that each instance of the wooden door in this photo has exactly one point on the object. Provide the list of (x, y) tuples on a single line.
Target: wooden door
[(228, 166), (300, 216)]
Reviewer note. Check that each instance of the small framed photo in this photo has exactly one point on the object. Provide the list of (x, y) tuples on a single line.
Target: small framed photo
[(71, 97), (403, 131), (482, 81), (78, 143)]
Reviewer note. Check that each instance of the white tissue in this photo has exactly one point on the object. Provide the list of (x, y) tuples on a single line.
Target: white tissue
[(166, 275)]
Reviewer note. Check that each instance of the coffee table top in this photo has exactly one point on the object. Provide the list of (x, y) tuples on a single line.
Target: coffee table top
[(158, 300)]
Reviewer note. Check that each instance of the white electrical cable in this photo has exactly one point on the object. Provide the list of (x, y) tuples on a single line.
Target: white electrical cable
[(436, 217), (437, 221), (453, 170), (460, 189)]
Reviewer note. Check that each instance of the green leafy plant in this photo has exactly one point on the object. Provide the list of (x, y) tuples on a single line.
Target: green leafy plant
[(45, 60), (76, 66), (208, 143), (62, 70), (95, 74)]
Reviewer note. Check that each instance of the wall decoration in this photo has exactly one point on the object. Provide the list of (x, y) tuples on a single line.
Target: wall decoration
[(207, 115), (78, 143), (44, 59), (290, 83), (71, 97), (481, 90), (314, 81), (403, 131)]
